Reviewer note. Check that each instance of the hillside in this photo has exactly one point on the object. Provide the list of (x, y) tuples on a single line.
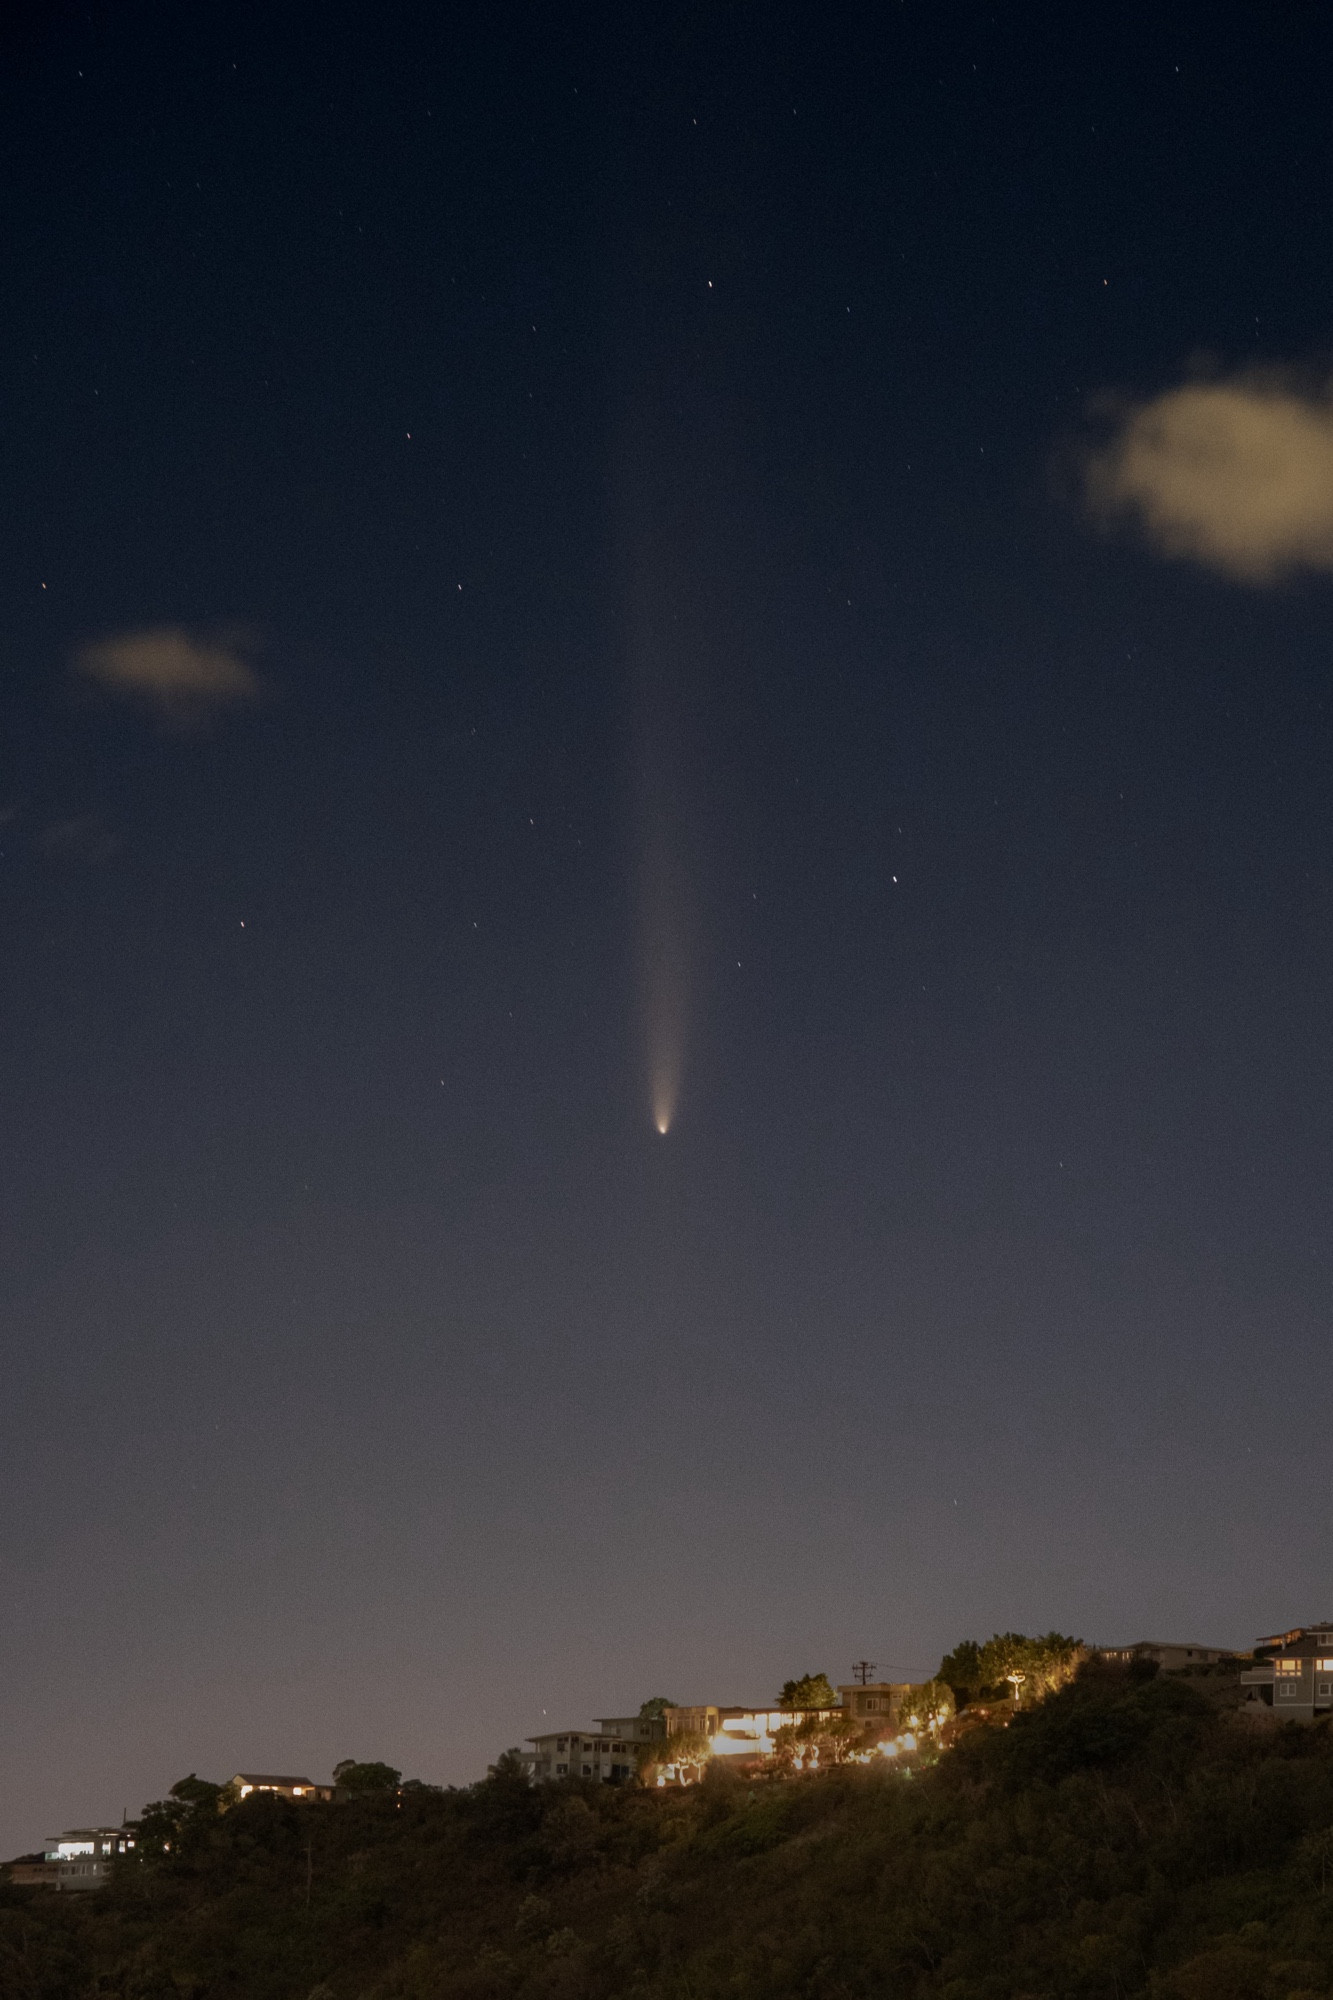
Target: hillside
[(1129, 1836)]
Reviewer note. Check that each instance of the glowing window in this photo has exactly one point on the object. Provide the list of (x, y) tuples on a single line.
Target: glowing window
[(1287, 1666)]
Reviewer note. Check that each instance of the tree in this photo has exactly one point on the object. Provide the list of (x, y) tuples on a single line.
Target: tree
[(810, 1691), (961, 1670), (926, 1706), (165, 1824), (358, 1781), (655, 1709), (1043, 1664), (688, 1751), (198, 1794), (509, 1768)]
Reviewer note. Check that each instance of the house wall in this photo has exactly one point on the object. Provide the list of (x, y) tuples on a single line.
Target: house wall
[(875, 1701), (580, 1753)]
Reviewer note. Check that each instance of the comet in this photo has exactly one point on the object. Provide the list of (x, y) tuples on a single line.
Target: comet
[(663, 889), (660, 634)]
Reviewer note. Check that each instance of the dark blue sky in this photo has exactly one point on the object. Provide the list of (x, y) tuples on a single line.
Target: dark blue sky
[(376, 1381)]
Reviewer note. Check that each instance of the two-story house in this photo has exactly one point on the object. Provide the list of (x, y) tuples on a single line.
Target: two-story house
[(607, 1751), (1293, 1671), (876, 1703), (83, 1855)]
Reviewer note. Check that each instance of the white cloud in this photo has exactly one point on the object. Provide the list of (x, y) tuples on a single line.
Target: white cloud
[(1236, 474), (185, 678)]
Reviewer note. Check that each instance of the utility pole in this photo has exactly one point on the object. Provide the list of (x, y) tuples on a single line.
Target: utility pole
[(862, 1670)]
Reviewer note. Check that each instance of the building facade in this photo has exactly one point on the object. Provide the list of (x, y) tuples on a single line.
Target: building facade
[(83, 1856), (1168, 1653), (247, 1782), (599, 1753), (875, 1703), (31, 1871), (1293, 1672)]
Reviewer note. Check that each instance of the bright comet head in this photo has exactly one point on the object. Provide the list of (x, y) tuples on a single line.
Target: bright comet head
[(663, 1097)]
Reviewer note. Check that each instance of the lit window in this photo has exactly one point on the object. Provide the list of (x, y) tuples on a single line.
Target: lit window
[(1287, 1666)]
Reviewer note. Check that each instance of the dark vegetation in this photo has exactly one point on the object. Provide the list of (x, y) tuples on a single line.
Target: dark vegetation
[(1129, 1835)]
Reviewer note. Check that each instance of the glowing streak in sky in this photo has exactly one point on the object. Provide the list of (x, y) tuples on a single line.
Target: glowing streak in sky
[(664, 954), (658, 487)]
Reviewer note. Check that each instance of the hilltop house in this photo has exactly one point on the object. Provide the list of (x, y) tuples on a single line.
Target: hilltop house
[(31, 1871), (576, 1753), (1293, 1672), (246, 1782), (1169, 1654), (82, 1857), (877, 1702), (744, 1732)]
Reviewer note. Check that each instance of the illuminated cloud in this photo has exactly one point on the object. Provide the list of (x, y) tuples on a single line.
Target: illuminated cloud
[(1237, 475), (184, 678)]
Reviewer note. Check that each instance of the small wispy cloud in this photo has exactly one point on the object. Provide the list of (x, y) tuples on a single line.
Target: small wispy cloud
[(1236, 474), (82, 839), (185, 678)]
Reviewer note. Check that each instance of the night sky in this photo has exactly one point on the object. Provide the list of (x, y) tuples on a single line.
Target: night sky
[(762, 568)]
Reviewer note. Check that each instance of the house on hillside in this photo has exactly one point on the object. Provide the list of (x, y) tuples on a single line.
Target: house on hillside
[(1293, 1672), (752, 1732), (606, 1752), (83, 1855), (1169, 1654), (875, 1702), (634, 1728), (247, 1782), (30, 1871)]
